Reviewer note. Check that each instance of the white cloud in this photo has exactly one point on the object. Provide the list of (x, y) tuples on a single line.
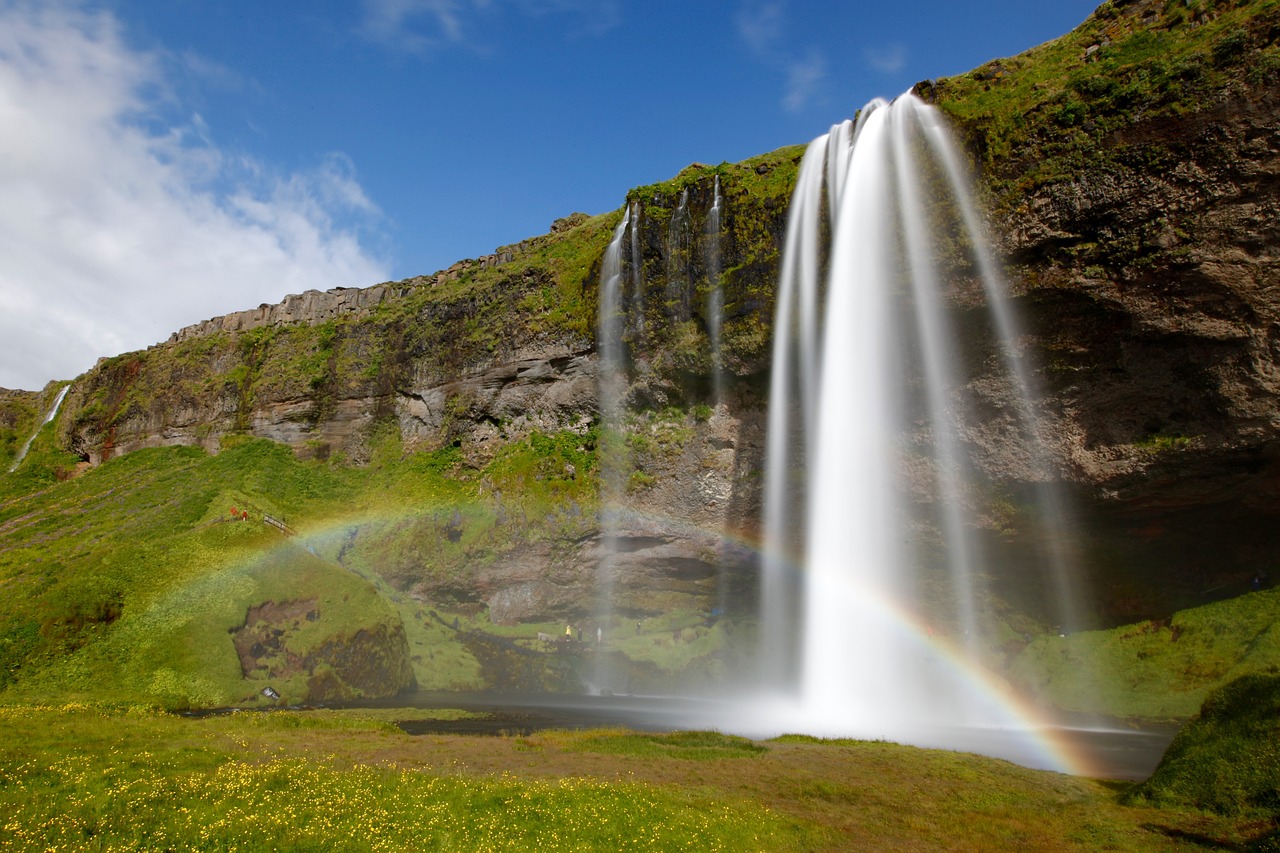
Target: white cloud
[(887, 59), (803, 80), (421, 26), (398, 22), (762, 26), (117, 227)]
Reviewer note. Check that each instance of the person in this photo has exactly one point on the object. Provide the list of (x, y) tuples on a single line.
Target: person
[(599, 635), (568, 632), (579, 633)]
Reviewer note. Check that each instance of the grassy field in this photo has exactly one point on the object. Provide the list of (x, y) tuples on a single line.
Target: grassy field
[(84, 778)]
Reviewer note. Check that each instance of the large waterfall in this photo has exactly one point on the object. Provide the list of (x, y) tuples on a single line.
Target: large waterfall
[(875, 600)]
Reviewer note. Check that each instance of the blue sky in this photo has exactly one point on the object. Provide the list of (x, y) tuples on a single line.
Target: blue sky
[(165, 161)]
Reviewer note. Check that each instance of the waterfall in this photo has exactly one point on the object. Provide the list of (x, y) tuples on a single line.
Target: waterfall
[(636, 306), (610, 327), (875, 587), (53, 413), (678, 240), (715, 295)]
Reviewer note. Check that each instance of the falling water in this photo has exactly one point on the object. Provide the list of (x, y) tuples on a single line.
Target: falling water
[(610, 325), (715, 295), (869, 482), (678, 240), (636, 306), (53, 413)]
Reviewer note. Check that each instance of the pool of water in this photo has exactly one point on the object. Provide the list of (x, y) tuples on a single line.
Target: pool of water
[(1101, 749)]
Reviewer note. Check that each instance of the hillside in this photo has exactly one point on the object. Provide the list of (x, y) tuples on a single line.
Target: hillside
[(435, 439)]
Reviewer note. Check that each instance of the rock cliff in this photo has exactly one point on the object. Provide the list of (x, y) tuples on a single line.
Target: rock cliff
[(1131, 170)]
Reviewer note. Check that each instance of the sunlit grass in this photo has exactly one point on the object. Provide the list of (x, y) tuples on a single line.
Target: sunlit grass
[(92, 780), (82, 777)]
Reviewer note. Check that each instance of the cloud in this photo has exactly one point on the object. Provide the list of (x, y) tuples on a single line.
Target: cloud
[(421, 26), (887, 59), (399, 22), (762, 26), (119, 225), (803, 80)]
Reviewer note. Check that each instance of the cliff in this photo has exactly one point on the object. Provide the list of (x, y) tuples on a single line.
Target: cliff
[(1130, 170)]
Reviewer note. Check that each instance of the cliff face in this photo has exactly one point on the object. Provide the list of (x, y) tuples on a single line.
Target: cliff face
[(1136, 197), (1132, 172)]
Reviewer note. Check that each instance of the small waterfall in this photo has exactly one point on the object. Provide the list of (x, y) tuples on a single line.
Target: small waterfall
[(874, 579), (53, 413), (612, 380), (715, 295), (636, 306), (678, 242)]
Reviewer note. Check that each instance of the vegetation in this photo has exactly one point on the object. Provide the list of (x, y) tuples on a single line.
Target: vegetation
[(107, 779), (1050, 114), (1155, 670), (19, 417), (1227, 759), (135, 780)]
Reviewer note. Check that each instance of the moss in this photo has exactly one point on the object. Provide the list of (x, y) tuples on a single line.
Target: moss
[(1114, 70)]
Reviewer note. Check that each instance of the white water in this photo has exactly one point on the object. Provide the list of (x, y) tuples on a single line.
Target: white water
[(636, 304), (679, 237), (715, 295), (53, 413), (612, 382), (872, 592)]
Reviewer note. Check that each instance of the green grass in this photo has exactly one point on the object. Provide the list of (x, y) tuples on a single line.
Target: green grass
[(1227, 759), (688, 746), (1047, 115), (90, 778), (126, 581), (135, 781), (1155, 670)]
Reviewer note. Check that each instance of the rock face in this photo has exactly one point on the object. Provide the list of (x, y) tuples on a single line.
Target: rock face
[(371, 664), (1146, 272), (1152, 287)]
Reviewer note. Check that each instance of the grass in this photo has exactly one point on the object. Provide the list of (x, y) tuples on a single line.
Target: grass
[(125, 582), (1227, 759), (106, 779), (1043, 115), (1155, 670)]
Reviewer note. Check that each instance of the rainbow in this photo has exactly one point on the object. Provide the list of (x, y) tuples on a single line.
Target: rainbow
[(1016, 728)]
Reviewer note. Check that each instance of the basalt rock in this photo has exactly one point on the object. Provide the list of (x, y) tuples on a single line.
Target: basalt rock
[(1145, 270)]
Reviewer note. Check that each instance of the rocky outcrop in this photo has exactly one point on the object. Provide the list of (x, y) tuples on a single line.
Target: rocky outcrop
[(373, 663)]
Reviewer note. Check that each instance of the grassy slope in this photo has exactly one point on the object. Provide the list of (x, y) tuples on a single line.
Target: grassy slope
[(1049, 113), (1226, 760), (19, 415), (344, 780), (125, 581), (1156, 670)]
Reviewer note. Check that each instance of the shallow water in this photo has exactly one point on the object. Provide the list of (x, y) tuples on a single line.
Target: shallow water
[(1098, 749)]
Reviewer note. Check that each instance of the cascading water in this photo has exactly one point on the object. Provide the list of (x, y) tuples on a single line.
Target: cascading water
[(715, 295), (53, 413), (610, 325), (679, 237), (636, 305), (874, 583)]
